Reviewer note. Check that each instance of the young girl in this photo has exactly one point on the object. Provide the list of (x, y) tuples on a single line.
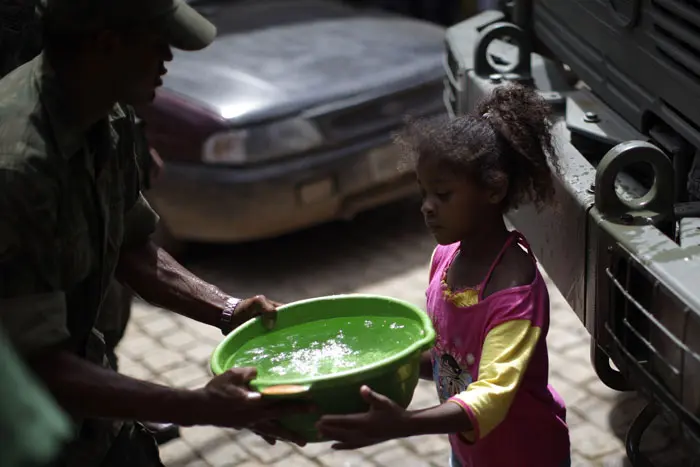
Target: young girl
[(487, 300)]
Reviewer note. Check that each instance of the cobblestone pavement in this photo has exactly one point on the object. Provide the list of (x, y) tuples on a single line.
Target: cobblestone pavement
[(384, 252)]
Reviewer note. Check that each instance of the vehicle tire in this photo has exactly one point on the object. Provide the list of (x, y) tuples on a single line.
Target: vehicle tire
[(612, 378)]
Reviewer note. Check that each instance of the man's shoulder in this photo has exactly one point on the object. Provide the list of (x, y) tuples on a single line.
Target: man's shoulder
[(18, 91), (23, 127)]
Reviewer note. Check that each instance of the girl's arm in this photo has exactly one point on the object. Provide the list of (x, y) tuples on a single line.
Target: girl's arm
[(445, 418), (473, 413), (506, 355)]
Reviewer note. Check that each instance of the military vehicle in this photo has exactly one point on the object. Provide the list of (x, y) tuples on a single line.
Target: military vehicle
[(623, 242)]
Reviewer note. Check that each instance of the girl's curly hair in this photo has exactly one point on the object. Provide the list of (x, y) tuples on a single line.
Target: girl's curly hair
[(507, 137)]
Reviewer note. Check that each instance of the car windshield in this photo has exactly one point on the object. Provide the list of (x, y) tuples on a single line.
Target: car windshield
[(238, 16)]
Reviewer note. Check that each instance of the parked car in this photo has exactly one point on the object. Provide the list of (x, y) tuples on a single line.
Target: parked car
[(285, 121)]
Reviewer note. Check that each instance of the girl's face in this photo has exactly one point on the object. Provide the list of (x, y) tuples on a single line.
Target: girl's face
[(453, 205)]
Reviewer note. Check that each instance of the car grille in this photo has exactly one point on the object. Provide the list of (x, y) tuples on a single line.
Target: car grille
[(676, 34), (381, 114)]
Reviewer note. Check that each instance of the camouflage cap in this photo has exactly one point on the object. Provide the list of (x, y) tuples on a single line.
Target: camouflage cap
[(181, 24)]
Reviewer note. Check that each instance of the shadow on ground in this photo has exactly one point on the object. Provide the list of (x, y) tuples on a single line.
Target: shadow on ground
[(661, 442)]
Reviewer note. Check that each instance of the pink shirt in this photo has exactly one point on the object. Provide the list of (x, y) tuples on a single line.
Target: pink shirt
[(491, 358)]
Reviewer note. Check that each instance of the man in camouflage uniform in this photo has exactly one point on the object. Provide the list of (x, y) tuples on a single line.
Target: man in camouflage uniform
[(20, 37), (73, 216)]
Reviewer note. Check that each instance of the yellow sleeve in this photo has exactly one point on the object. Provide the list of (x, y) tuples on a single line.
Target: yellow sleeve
[(507, 350)]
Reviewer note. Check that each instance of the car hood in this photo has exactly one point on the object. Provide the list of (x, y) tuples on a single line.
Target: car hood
[(284, 70)]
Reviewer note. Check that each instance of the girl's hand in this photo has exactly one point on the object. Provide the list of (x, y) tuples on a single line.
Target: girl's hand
[(426, 366), (385, 420), (272, 431)]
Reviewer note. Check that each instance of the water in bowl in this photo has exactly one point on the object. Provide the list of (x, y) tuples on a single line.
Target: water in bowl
[(325, 347)]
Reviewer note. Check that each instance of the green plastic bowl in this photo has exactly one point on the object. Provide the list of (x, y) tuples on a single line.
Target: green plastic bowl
[(395, 376)]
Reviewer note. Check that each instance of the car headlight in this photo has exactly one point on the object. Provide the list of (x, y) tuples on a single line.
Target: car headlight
[(262, 143)]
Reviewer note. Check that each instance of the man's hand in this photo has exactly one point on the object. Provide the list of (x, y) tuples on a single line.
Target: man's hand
[(385, 420), (256, 306), (86, 390), (231, 403), (160, 280)]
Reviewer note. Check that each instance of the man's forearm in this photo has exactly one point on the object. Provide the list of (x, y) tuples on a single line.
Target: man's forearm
[(159, 279), (84, 389)]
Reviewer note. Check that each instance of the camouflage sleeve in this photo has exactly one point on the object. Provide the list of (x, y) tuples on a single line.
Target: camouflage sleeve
[(140, 222), (32, 304), (143, 154), (141, 219)]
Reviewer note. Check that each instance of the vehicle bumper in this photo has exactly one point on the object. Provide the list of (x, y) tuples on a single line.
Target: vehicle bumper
[(204, 203), (632, 285)]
